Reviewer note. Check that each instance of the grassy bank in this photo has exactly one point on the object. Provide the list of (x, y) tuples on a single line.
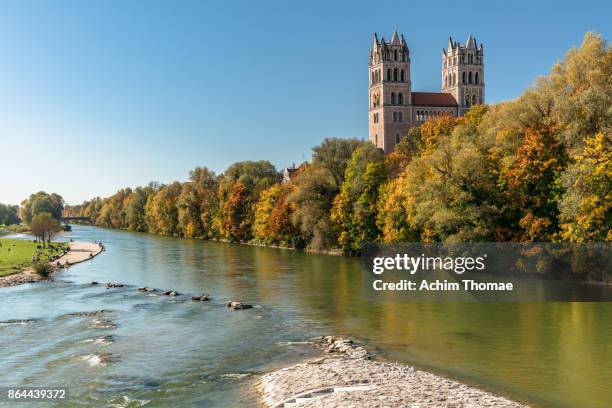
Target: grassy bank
[(16, 254)]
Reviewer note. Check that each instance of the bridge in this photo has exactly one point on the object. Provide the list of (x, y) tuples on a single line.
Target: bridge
[(75, 219)]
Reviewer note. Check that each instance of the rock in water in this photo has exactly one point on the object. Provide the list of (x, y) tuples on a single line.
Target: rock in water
[(170, 293), (146, 289), (201, 298), (114, 285), (237, 305)]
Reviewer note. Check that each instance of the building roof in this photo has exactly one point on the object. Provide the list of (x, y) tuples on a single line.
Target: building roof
[(433, 99)]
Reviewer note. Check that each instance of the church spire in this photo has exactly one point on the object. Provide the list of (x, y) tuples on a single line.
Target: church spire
[(395, 39)]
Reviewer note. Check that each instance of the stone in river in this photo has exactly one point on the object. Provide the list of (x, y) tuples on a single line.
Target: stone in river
[(170, 293), (201, 298), (146, 289), (114, 285), (237, 305)]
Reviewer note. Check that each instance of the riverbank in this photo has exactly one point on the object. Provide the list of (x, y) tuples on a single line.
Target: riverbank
[(346, 377), (78, 252)]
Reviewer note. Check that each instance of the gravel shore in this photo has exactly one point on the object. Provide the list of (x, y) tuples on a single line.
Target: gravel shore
[(346, 377), (79, 252)]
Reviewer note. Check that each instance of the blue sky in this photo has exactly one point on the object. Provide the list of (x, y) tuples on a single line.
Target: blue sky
[(95, 96)]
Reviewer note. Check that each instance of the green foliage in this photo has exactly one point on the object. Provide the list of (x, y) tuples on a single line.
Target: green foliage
[(41, 202), (9, 214), (43, 269), (354, 210)]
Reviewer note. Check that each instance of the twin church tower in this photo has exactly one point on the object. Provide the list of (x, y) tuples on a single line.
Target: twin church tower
[(394, 108)]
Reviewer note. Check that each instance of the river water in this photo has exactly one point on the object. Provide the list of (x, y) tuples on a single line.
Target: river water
[(171, 352)]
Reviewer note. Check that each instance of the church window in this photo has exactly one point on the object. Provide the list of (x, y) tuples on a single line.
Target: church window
[(397, 138), (399, 116), (467, 101), (373, 78), (389, 74), (476, 77), (463, 77), (395, 74), (475, 100), (395, 116), (392, 98), (403, 76), (400, 98), (470, 77), (395, 55)]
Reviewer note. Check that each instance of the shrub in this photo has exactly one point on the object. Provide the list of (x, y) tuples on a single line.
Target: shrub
[(44, 269)]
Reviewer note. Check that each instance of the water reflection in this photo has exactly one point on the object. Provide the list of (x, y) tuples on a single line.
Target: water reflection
[(180, 352)]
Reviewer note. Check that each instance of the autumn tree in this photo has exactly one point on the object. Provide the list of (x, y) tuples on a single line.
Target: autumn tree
[(586, 206), (354, 208), (532, 184), (44, 227), (161, 213)]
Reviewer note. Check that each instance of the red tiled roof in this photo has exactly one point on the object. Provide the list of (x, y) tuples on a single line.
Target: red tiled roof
[(433, 99)]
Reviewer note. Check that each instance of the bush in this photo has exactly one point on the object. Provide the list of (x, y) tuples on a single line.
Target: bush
[(44, 269)]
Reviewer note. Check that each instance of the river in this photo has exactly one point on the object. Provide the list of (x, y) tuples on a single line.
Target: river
[(174, 352)]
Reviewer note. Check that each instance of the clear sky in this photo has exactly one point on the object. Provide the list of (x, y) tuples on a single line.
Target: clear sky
[(99, 95)]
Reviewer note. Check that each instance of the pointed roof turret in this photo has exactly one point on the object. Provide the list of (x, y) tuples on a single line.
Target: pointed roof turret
[(471, 43), (450, 43), (395, 39), (375, 41)]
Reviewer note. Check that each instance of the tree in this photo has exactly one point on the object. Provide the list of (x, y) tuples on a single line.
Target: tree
[(44, 227), (312, 198), (586, 206), (161, 213), (235, 213), (532, 184), (41, 202), (9, 214), (354, 209), (334, 154)]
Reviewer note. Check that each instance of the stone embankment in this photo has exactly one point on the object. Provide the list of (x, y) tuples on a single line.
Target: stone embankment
[(346, 377)]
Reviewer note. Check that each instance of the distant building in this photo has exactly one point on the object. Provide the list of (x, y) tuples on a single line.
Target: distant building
[(394, 108), (289, 173)]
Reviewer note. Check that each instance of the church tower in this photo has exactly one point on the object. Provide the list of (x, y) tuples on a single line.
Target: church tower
[(390, 111), (463, 73)]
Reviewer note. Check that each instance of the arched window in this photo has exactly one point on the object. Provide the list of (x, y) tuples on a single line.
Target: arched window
[(467, 100), (395, 116), (470, 77), (403, 76), (395, 74), (397, 138), (395, 55), (392, 98), (373, 78), (475, 100), (476, 77), (400, 98), (389, 74), (463, 77), (399, 116)]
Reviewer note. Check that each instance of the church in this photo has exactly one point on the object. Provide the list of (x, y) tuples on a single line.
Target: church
[(394, 108)]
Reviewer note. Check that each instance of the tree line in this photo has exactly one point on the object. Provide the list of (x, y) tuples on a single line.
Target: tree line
[(537, 168)]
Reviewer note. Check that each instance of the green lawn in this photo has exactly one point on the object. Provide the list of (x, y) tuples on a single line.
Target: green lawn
[(16, 254)]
